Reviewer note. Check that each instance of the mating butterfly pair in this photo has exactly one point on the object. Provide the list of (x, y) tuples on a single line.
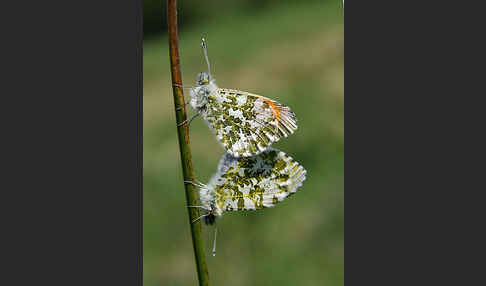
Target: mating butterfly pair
[(251, 175)]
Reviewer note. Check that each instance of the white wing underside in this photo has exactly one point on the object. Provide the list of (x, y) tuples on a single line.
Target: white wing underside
[(255, 182), (246, 124)]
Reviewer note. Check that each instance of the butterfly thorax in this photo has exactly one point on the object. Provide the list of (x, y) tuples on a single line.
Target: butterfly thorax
[(199, 95)]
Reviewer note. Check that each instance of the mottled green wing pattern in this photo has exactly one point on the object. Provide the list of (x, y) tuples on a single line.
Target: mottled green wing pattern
[(246, 124), (251, 183)]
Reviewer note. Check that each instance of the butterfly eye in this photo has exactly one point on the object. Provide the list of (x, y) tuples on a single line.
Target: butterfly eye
[(203, 78)]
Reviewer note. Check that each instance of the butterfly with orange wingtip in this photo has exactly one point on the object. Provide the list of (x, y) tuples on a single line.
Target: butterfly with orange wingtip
[(246, 124)]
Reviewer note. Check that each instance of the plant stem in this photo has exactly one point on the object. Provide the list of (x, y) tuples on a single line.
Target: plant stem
[(183, 133)]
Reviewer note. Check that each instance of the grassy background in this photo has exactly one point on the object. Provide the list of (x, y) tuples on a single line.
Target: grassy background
[(288, 52)]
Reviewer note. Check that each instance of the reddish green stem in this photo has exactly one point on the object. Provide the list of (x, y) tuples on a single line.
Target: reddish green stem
[(183, 133)]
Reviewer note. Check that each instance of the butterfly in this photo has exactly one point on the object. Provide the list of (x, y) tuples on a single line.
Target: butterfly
[(250, 183), (244, 123)]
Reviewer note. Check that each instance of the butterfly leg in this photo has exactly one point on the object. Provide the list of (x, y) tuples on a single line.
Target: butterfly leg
[(196, 184), (204, 215), (188, 122), (191, 182)]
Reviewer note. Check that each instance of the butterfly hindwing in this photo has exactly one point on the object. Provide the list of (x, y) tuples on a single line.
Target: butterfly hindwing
[(252, 183), (246, 124)]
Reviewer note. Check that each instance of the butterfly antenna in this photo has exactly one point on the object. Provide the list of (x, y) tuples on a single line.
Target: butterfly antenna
[(205, 51), (213, 252)]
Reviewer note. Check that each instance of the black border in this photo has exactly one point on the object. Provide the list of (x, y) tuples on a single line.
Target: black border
[(72, 143), (140, 35)]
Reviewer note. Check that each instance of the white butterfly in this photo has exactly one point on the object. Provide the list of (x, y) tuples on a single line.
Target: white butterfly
[(250, 183), (245, 123)]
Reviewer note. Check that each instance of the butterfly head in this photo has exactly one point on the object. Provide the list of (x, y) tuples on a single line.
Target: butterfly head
[(209, 219), (208, 201), (203, 78), (200, 93)]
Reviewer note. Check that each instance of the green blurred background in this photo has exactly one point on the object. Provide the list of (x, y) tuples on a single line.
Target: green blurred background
[(290, 51)]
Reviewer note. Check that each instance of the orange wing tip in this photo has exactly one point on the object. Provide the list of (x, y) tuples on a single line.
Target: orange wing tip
[(274, 107)]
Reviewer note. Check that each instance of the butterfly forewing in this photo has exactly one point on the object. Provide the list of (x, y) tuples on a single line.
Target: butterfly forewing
[(251, 183), (246, 124)]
